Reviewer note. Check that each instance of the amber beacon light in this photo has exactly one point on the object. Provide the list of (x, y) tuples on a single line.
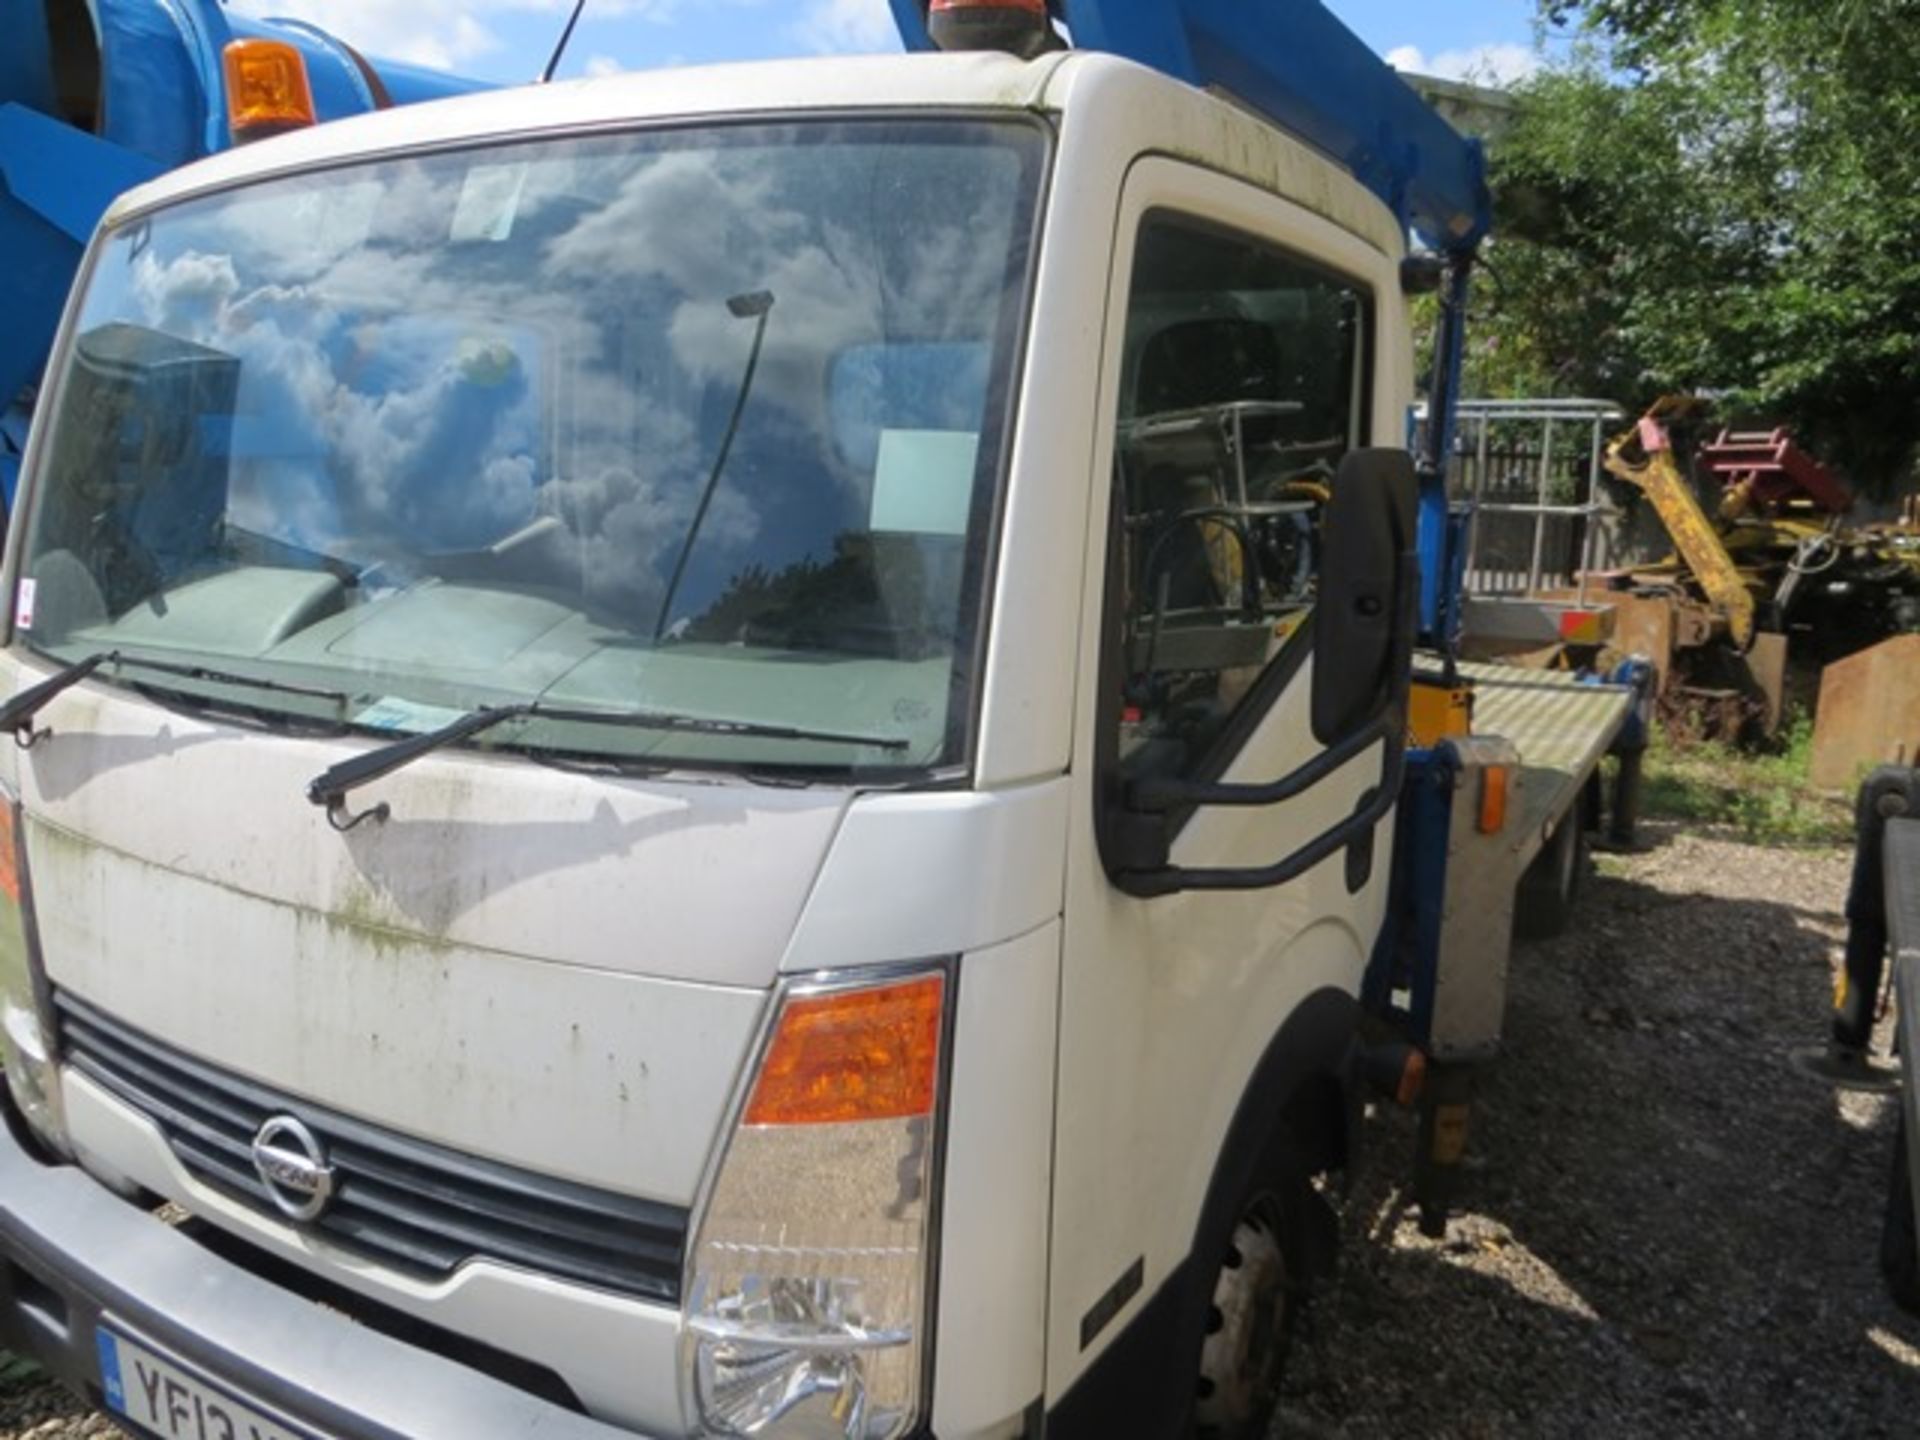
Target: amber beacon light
[(1019, 27), (267, 89)]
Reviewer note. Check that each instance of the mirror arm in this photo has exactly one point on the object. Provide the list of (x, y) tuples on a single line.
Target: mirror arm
[(1157, 794), (1149, 794), (1379, 801)]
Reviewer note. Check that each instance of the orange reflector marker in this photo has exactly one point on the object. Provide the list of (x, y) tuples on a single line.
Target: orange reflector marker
[(1583, 627), (1413, 1079), (267, 90), (869, 1054), (9, 852), (1496, 783)]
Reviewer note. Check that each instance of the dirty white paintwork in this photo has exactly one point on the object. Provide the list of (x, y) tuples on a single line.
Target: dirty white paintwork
[(469, 1048), (1168, 1004), (489, 853), (958, 870), (991, 1325), (618, 1354)]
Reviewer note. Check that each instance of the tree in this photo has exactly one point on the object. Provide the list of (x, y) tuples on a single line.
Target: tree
[(1721, 195)]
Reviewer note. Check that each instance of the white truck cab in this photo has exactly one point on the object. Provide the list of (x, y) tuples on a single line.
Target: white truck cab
[(630, 806)]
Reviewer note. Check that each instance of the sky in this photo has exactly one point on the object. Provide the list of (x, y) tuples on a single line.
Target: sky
[(508, 40)]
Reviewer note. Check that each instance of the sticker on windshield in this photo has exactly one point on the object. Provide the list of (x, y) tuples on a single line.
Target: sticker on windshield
[(406, 716), (23, 606), (489, 199), (923, 481)]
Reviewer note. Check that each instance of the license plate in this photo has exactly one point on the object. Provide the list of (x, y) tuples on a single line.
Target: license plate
[(162, 1399)]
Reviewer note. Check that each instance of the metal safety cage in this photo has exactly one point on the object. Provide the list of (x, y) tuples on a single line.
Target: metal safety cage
[(1529, 473)]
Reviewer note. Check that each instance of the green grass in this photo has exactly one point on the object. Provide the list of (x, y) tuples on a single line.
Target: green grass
[(16, 1370), (1765, 797)]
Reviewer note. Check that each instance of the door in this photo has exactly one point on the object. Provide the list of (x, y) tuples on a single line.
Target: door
[(1244, 358)]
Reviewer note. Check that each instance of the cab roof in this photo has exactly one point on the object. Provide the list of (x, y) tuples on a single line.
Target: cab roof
[(1075, 85)]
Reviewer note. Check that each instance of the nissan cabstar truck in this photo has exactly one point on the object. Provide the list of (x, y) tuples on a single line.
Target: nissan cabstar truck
[(764, 751)]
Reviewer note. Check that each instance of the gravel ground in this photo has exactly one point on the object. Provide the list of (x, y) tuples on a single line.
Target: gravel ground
[(1667, 1229)]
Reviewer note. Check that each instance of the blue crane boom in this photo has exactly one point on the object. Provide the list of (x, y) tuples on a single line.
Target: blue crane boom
[(99, 95), (1296, 63)]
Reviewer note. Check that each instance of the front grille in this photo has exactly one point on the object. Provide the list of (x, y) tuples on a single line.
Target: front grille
[(406, 1203)]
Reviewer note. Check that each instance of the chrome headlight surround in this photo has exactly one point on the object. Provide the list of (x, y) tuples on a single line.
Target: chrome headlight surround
[(27, 1051), (809, 1290)]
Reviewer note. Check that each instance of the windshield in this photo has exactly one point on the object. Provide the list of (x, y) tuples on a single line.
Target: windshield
[(704, 422)]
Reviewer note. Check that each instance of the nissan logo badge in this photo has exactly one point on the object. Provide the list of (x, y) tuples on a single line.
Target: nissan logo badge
[(291, 1163)]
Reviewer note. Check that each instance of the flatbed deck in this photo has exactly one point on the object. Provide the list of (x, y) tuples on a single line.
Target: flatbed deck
[(1562, 727)]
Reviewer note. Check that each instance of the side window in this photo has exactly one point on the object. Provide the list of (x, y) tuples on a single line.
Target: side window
[(1245, 380)]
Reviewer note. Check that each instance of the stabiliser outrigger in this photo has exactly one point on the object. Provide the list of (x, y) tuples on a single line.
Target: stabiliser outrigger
[(1881, 969)]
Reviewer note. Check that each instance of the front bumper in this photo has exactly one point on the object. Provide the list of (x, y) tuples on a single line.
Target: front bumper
[(72, 1252)]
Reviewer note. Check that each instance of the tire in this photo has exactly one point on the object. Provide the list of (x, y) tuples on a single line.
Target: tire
[(1265, 1276), (1543, 904), (1899, 1252)]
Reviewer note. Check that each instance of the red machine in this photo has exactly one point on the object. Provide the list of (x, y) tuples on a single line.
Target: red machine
[(1762, 472)]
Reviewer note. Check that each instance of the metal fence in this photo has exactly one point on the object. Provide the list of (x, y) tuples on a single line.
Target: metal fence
[(1530, 470)]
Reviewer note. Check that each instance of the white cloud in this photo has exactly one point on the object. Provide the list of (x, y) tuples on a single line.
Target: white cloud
[(1496, 65), (848, 25), (440, 33), (600, 65)]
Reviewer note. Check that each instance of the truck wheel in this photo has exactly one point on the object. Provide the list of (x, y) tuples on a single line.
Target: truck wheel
[(1249, 1325), (1899, 1252), (1543, 905)]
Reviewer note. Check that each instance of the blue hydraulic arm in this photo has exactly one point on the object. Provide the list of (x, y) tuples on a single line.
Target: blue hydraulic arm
[(99, 95), (1296, 63)]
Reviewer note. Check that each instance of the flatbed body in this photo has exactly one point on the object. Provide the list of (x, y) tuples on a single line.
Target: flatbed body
[(1561, 724)]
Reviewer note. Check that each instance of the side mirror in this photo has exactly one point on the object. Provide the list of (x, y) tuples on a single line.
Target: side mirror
[(1369, 527), (1363, 641)]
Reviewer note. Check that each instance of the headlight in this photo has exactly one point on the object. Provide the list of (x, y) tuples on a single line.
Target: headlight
[(25, 1051), (807, 1293)]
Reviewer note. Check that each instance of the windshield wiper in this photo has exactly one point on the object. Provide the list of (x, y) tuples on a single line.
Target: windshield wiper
[(330, 787), (17, 714), (200, 705)]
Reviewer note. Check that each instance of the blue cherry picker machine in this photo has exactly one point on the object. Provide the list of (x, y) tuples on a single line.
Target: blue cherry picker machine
[(97, 96)]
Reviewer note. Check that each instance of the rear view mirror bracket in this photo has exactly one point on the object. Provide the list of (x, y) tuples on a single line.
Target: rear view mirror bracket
[(1374, 807), (1378, 525)]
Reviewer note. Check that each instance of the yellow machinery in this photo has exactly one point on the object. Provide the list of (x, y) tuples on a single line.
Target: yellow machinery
[(1643, 457), (1779, 541)]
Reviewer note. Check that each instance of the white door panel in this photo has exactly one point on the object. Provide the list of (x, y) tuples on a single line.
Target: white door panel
[(1168, 1004)]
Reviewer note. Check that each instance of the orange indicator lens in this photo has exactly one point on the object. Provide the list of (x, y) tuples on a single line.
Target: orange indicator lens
[(9, 853), (869, 1054)]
